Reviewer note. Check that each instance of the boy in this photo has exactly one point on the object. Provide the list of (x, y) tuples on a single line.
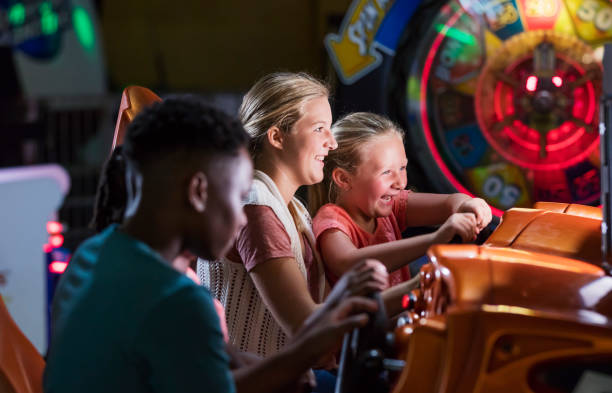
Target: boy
[(124, 319)]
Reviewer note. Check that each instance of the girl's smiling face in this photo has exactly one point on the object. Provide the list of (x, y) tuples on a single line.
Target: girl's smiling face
[(377, 180)]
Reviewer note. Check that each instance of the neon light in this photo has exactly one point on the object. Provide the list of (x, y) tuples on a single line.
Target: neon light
[(405, 301), (16, 14), (56, 240), (517, 125), (54, 227), (557, 81), (48, 19), (532, 83), (58, 267), (456, 34), (526, 139), (83, 27), (425, 120)]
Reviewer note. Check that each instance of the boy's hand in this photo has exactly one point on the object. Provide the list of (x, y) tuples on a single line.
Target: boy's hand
[(480, 209), (367, 276), (462, 224), (323, 330)]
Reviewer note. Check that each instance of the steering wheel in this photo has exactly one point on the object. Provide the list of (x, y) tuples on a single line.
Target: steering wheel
[(364, 363)]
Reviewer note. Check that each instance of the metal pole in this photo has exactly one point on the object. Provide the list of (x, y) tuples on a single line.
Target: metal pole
[(605, 133)]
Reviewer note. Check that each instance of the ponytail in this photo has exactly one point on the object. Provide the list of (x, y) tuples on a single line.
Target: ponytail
[(111, 195)]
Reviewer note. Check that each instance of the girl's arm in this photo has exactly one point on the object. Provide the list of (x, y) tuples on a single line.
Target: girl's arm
[(284, 290), (424, 209), (340, 254)]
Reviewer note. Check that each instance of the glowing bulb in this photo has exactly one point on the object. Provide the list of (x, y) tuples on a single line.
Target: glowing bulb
[(405, 301), (532, 83), (58, 267), (16, 14), (557, 81), (48, 19), (54, 227), (84, 28), (56, 240)]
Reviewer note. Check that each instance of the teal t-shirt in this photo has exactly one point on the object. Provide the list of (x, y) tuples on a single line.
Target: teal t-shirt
[(126, 321)]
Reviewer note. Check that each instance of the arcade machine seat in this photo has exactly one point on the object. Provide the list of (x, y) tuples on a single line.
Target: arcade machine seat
[(21, 366), (133, 100)]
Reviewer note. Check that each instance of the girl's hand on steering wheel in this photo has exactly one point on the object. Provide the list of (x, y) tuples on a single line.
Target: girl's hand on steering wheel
[(480, 209)]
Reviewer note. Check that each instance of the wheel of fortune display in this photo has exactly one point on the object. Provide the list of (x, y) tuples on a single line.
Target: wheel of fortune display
[(508, 102), (499, 98)]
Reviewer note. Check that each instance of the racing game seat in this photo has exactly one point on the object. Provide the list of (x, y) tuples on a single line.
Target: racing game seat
[(21, 366)]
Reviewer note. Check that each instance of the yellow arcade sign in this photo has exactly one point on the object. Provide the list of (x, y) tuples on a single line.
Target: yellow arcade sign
[(353, 50)]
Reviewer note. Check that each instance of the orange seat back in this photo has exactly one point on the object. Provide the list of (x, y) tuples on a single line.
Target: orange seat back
[(570, 208), (21, 366), (567, 230), (133, 100)]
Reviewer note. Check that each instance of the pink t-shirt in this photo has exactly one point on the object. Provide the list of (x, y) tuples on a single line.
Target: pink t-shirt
[(388, 229), (265, 238)]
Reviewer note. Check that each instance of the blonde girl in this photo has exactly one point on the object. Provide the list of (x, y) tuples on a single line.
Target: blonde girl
[(365, 181)]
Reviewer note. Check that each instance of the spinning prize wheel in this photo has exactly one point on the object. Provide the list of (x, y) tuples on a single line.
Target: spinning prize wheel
[(500, 98), (508, 103)]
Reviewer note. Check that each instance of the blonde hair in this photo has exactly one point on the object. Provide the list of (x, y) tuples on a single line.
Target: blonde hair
[(277, 100), (352, 132)]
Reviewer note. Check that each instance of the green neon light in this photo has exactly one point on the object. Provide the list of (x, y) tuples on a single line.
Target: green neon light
[(414, 89), (16, 14), (48, 19), (83, 27), (461, 36)]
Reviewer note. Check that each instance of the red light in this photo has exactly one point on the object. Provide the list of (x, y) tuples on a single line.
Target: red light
[(557, 81), (47, 248), (429, 138), (57, 267), (54, 227), (532, 83), (405, 301), (56, 240)]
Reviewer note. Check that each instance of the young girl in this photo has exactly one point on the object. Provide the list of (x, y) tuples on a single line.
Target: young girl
[(364, 180)]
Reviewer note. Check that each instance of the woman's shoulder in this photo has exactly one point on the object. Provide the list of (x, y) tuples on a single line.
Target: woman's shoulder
[(261, 217)]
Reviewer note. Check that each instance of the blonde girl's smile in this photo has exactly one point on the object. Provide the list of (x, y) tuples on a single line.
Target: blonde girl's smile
[(377, 180)]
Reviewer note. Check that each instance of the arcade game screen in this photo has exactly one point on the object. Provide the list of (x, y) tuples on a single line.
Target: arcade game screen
[(506, 96)]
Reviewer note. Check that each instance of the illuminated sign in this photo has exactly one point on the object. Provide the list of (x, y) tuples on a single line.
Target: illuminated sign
[(369, 29), (34, 27)]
